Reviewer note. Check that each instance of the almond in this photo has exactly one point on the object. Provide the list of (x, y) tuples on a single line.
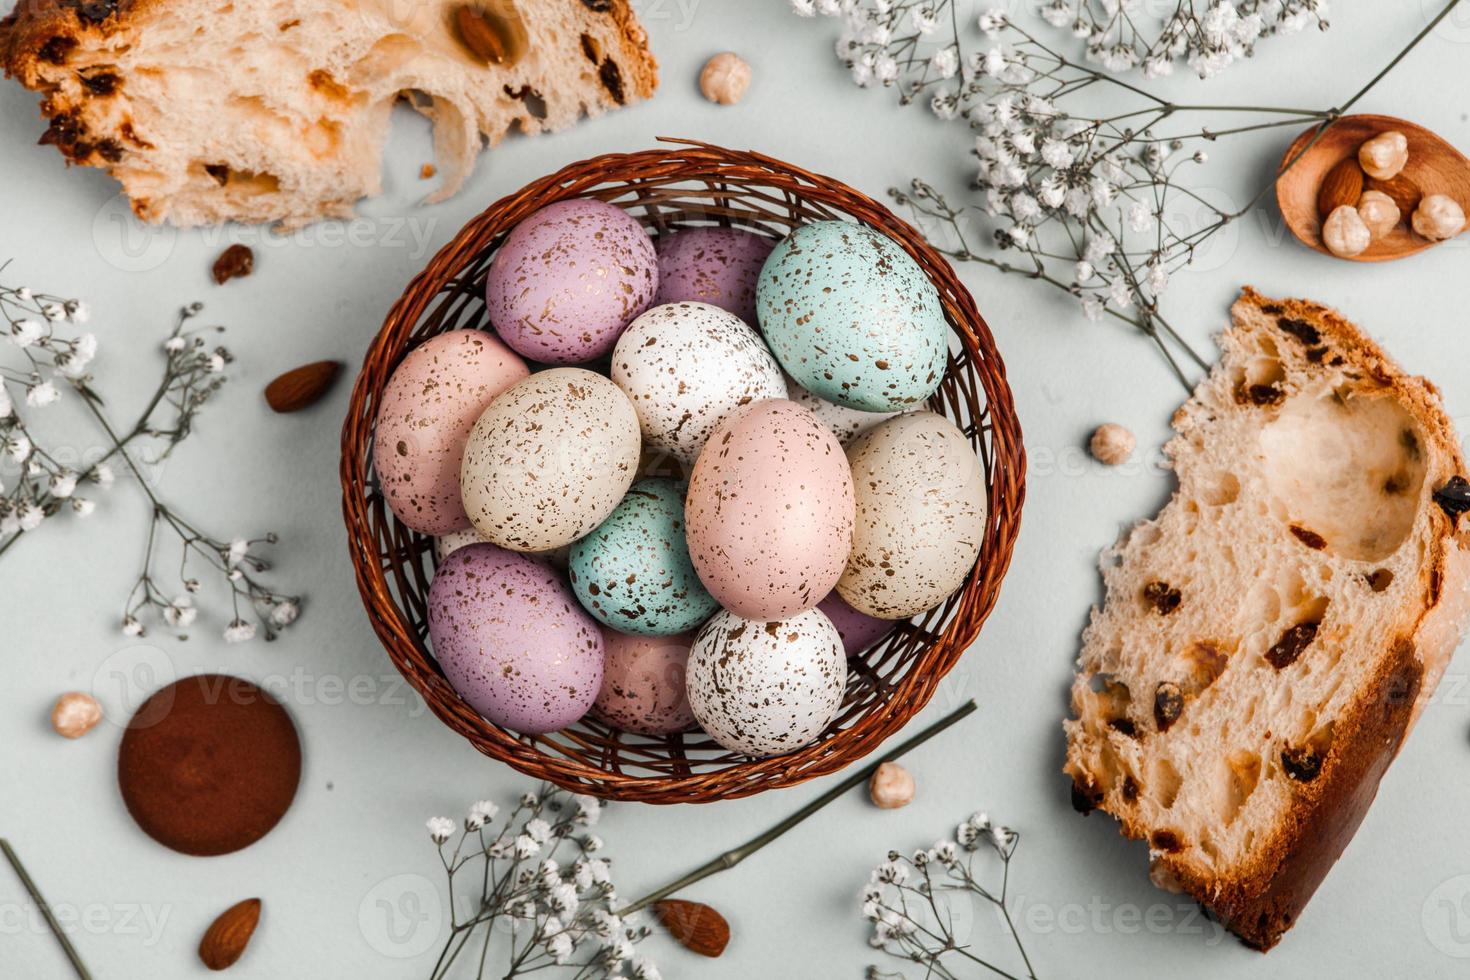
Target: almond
[(492, 31), (302, 387), (1405, 193), (1342, 185), (694, 925), (227, 936)]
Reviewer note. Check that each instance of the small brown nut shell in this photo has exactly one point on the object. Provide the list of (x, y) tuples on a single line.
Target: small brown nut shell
[(75, 714), (1112, 444), (725, 78), (1438, 217), (1383, 156), (891, 787)]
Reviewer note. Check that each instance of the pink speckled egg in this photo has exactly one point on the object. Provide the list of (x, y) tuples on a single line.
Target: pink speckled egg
[(858, 630), (769, 514), (568, 280), (429, 406), (719, 266), (513, 641), (643, 683)]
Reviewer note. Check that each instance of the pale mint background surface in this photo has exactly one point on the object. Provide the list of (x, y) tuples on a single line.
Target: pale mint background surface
[(377, 765)]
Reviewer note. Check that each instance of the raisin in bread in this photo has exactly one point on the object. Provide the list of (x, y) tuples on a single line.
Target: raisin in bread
[(1268, 639), (277, 110)]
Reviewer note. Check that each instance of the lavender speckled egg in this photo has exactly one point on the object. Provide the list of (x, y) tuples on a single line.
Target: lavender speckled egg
[(633, 572), (858, 630), (549, 459), (568, 279), (764, 688), (846, 423), (643, 687), (920, 516), (852, 317), (685, 366), (718, 266), (770, 511), (512, 640), (428, 407)]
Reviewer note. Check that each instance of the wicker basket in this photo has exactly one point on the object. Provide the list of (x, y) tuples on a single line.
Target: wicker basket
[(668, 188)]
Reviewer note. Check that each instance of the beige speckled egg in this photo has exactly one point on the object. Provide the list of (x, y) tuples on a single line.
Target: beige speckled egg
[(762, 688), (769, 513), (920, 516), (429, 405), (846, 423), (685, 366), (549, 459)]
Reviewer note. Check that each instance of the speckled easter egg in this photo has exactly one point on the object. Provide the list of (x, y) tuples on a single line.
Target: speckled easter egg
[(846, 423), (447, 544), (428, 407), (852, 318), (685, 366), (513, 641), (633, 572), (718, 266), (764, 688), (549, 459), (858, 630), (770, 511), (568, 279), (643, 683), (920, 516)]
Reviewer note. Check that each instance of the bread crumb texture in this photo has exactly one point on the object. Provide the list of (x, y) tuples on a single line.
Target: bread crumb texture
[(1267, 640), (278, 112)]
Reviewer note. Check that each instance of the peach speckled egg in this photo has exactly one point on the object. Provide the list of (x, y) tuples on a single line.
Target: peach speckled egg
[(428, 407), (764, 688), (513, 641), (549, 459), (858, 630), (643, 683), (568, 279), (769, 514), (920, 516), (718, 266)]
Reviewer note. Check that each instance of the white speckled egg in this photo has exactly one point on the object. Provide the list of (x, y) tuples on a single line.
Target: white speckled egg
[(852, 317), (764, 688), (549, 459), (685, 366), (920, 516), (846, 423), (643, 683), (429, 405)]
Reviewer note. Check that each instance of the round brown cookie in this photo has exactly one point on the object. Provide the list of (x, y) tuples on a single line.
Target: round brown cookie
[(209, 764)]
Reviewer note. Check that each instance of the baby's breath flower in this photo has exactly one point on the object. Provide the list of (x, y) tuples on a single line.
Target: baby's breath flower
[(131, 626), (82, 507), (41, 394), (239, 631), (440, 829)]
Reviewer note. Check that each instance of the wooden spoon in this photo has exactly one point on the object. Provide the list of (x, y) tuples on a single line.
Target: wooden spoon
[(1434, 166)]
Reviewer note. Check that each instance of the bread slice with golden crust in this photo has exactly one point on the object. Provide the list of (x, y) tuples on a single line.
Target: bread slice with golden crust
[(277, 110), (1267, 640)]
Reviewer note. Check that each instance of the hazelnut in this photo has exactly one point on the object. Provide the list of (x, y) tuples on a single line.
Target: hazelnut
[(1384, 155), (1112, 444), (891, 787), (725, 78), (75, 714), (1379, 213), (1438, 217), (1344, 232)]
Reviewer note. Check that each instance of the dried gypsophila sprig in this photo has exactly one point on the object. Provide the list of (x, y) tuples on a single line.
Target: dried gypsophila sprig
[(550, 915), (908, 900), (47, 484)]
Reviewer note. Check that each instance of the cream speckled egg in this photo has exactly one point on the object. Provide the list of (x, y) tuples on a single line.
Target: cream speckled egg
[(643, 683), (764, 688), (769, 513), (549, 459), (920, 516), (846, 423), (429, 405), (685, 366)]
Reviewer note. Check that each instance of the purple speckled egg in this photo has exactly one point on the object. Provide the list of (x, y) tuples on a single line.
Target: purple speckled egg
[(643, 683), (568, 280), (513, 641), (429, 406), (718, 266), (858, 630)]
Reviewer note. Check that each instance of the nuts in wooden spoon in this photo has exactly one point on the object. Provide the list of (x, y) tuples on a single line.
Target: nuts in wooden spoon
[(492, 31), (302, 387), (227, 936), (1344, 232), (1438, 217), (1378, 212), (1342, 185), (891, 787), (75, 714), (1383, 156), (694, 925), (1405, 193)]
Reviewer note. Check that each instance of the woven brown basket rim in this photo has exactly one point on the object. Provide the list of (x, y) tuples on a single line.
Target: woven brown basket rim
[(721, 170)]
